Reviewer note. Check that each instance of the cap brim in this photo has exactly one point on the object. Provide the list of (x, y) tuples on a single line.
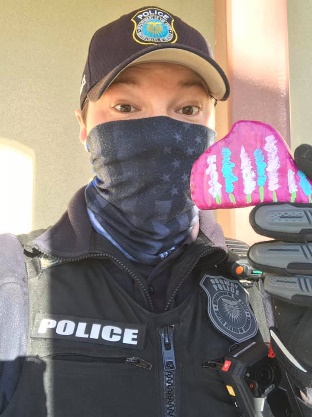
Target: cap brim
[(203, 65)]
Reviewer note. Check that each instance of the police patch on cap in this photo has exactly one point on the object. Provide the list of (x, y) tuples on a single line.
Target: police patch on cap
[(152, 26), (228, 308)]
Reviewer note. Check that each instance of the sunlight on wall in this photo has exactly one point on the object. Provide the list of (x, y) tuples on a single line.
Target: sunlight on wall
[(16, 187)]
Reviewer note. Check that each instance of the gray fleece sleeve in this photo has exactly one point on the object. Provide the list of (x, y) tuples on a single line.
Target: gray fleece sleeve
[(305, 408), (13, 315)]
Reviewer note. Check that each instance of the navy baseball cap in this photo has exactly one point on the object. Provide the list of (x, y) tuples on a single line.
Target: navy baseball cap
[(149, 34)]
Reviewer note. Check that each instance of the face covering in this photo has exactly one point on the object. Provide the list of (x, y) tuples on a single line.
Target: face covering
[(140, 197)]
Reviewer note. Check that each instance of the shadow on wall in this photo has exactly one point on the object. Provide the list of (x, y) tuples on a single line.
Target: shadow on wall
[(17, 165)]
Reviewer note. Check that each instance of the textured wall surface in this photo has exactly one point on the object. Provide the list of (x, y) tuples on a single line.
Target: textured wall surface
[(300, 64), (43, 51)]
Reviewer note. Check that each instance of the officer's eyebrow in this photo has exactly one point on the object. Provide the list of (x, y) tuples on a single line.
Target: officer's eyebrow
[(127, 79), (130, 80), (195, 83)]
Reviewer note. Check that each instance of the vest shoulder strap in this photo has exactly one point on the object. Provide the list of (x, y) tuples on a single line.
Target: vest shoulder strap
[(32, 261), (13, 316), (27, 237)]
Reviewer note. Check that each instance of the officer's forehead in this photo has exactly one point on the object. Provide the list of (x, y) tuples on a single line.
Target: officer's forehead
[(135, 73)]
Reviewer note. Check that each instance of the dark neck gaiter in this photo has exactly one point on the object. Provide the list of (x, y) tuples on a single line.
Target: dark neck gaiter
[(140, 196)]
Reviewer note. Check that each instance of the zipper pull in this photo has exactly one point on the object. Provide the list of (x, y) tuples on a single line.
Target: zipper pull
[(141, 363), (167, 350), (213, 365)]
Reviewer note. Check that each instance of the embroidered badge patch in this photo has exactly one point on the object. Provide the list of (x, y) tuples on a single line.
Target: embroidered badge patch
[(152, 26), (228, 308)]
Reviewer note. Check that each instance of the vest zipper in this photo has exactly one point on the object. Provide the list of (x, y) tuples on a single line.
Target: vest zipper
[(169, 367), (204, 252), (133, 360), (145, 290), (55, 260)]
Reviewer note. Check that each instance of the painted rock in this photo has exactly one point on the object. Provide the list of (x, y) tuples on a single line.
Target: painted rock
[(252, 164)]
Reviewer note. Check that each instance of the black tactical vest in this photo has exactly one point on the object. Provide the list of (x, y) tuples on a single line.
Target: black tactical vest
[(94, 352)]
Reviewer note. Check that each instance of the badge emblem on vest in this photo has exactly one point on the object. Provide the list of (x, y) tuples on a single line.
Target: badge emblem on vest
[(228, 308), (152, 26)]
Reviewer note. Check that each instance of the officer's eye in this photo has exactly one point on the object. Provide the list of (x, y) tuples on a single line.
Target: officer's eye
[(189, 110), (125, 108)]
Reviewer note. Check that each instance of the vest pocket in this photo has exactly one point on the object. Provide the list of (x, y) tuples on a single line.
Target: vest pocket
[(84, 386), (29, 399), (205, 388), (75, 357)]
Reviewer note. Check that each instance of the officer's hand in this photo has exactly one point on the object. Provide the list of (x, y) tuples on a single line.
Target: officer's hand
[(287, 260)]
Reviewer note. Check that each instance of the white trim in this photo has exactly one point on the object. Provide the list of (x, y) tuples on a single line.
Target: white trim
[(286, 352)]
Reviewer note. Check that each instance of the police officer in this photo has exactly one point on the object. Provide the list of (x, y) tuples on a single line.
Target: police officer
[(112, 315)]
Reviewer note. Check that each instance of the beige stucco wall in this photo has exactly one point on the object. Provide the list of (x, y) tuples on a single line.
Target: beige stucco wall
[(43, 47), (300, 64)]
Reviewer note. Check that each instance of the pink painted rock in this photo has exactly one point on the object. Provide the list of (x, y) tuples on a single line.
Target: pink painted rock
[(252, 164)]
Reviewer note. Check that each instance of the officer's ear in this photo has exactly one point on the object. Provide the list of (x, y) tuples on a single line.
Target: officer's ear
[(82, 125)]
